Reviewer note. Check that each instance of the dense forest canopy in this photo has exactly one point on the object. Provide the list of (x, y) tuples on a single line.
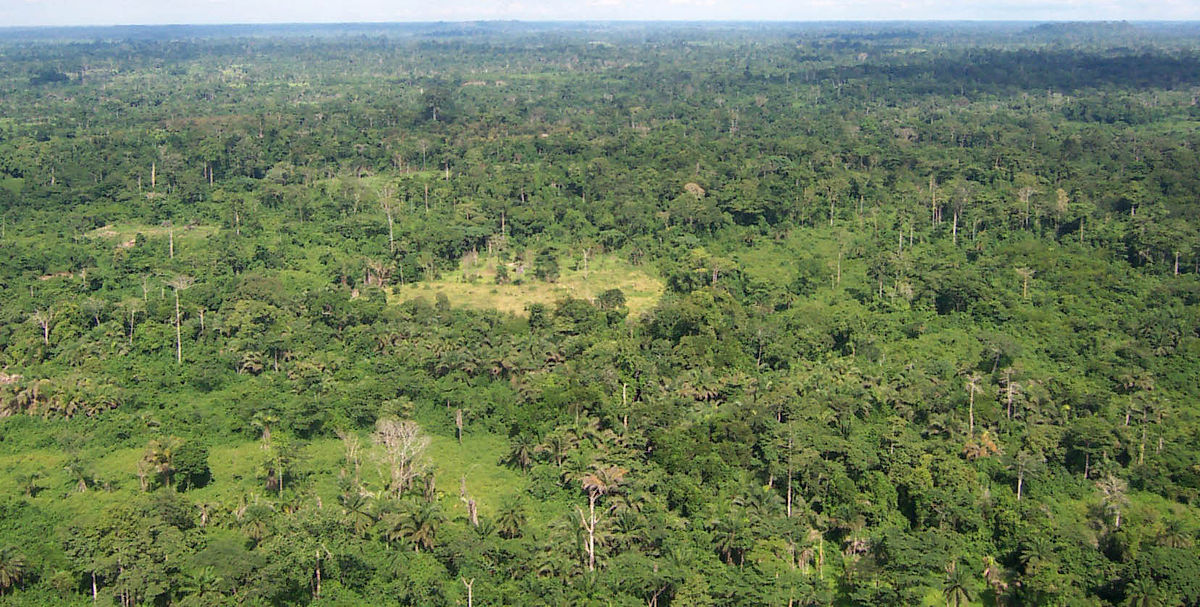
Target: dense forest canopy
[(612, 314)]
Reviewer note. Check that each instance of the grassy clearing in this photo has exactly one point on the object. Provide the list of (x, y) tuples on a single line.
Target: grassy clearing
[(124, 234), (235, 475), (473, 285), (12, 184), (477, 460)]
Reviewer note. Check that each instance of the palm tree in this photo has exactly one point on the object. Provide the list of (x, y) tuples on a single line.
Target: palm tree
[(1025, 274), (45, 320), (993, 572), (521, 454), (418, 523), (257, 522), (955, 587), (1175, 534), (12, 568), (729, 536), (203, 586), (511, 519), (1112, 492), (558, 444), (78, 471), (160, 457), (263, 421), (356, 507), (30, 484), (1036, 550), (601, 481), (1143, 592)]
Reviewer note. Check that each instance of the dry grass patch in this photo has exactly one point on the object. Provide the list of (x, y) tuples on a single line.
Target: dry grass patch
[(473, 285)]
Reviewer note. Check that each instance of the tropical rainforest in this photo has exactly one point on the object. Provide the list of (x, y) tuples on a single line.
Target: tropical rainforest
[(600, 314)]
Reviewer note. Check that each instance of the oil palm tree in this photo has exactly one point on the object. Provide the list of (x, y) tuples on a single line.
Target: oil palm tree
[(75, 467), (993, 572), (520, 455), (599, 482), (1143, 592), (202, 587), (956, 587), (418, 524), (557, 445), (160, 457), (1175, 534), (1036, 550), (357, 509), (12, 568), (1113, 495), (730, 537), (511, 519), (256, 522)]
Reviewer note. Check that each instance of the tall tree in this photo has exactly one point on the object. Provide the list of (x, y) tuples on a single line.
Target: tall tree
[(177, 284)]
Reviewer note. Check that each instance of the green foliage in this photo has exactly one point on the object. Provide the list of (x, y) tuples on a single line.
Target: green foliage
[(677, 315)]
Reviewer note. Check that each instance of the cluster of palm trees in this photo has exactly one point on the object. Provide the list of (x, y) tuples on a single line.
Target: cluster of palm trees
[(158, 459), (444, 351), (66, 396)]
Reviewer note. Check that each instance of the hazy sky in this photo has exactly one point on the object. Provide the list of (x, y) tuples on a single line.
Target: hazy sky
[(107, 12)]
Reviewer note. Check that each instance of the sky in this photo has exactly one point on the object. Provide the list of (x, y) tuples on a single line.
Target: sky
[(153, 12)]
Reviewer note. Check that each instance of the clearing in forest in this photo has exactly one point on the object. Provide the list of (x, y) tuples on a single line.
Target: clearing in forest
[(473, 285), (125, 234)]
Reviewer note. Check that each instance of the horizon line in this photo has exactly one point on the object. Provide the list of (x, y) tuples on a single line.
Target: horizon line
[(603, 21)]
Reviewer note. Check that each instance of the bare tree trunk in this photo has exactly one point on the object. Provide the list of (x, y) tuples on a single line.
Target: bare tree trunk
[(178, 334), (1142, 446), (789, 483), (789, 493), (932, 201), (971, 415), (391, 232), (317, 594), (589, 525), (470, 594)]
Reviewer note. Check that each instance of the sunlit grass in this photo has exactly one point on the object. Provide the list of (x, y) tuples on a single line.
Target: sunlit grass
[(473, 285), (125, 233)]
